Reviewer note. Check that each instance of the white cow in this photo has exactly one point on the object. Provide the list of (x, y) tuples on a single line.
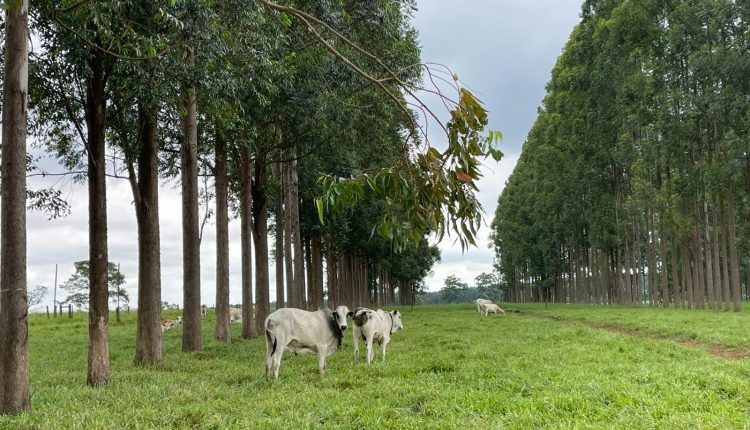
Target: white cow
[(302, 332), (491, 307), (480, 302), (235, 315), (375, 326), (204, 311)]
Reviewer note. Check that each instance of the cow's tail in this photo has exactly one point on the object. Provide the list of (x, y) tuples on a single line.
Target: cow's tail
[(271, 342)]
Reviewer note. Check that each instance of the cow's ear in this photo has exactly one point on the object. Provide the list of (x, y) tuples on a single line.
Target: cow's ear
[(350, 314)]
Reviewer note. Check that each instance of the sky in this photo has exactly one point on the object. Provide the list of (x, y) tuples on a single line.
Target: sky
[(503, 50)]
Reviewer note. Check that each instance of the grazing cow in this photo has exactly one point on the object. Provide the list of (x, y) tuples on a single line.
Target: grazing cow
[(235, 315), (375, 326), (204, 311), (491, 307), (168, 324), (302, 332), (480, 302)]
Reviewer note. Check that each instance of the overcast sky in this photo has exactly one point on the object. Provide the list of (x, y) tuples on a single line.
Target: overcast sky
[(501, 49)]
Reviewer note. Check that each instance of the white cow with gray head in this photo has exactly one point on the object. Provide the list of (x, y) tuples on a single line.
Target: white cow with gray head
[(302, 332), (375, 326)]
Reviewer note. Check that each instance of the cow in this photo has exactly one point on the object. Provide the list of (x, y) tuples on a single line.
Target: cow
[(491, 307), (480, 302), (204, 311), (235, 315), (302, 332), (375, 326), (168, 324)]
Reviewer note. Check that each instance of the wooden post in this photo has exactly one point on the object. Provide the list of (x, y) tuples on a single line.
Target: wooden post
[(61, 312), (117, 313), (54, 295), (70, 311), (47, 311)]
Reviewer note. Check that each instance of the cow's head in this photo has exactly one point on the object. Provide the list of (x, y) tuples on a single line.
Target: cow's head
[(339, 316), (397, 324)]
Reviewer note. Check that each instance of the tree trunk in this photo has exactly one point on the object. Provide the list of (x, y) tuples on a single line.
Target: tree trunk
[(279, 251), (309, 273), (14, 352), (148, 347), (299, 261), (675, 276), (288, 256), (191, 248), (725, 285), (732, 243), (96, 118), (687, 270), (664, 269), (246, 228), (260, 239), (317, 259), (223, 331), (716, 257), (708, 258)]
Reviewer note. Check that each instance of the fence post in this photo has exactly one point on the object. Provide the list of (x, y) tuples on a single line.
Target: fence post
[(117, 312), (47, 311), (70, 311)]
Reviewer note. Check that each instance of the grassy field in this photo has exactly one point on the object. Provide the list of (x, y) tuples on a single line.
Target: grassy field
[(448, 369)]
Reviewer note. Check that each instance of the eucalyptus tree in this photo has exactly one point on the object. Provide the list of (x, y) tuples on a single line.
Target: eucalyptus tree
[(14, 359)]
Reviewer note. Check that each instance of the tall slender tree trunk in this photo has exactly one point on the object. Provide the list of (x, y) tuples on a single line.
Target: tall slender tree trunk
[(687, 268), (309, 273), (96, 125), (331, 276), (148, 347), (191, 248), (726, 283), (14, 353), (260, 239), (708, 257), (288, 256), (664, 268), (223, 331), (676, 279), (716, 257), (279, 250), (317, 259), (249, 330), (734, 260), (299, 261)]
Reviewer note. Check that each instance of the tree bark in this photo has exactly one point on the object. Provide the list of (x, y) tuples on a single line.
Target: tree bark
[(317, 258), (299, 261), (223, 331), (14, 353), (279, 250), (675, 276), (249, 330), (191, 248), (734, 260), (260, 239), (716, 257), (148, 347), (725, 285), (96, 118), (708, 258), (309, 274), (288, 257)]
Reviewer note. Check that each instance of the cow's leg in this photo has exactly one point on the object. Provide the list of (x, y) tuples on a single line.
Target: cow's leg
[(277, 359), (370, 354), (322, 361), (269, 354), (356, 336), (382, 348)]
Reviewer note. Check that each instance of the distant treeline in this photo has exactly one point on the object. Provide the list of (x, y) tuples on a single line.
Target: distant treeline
[(486, 286)]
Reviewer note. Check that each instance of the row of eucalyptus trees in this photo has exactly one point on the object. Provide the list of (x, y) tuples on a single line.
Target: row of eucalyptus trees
[(300, 116), (634, 183)]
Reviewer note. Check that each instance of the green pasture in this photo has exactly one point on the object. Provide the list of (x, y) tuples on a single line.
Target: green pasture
[(449, 369)]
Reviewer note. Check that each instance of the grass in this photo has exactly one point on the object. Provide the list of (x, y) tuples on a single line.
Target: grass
[(728, 329), (448, 369)]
